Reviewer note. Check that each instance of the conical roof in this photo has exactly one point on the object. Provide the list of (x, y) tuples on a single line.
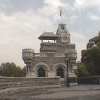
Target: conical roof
[(62, 29), (48, 36)]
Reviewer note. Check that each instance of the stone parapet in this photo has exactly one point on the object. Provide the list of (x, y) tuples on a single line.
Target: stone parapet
[(27, 82)]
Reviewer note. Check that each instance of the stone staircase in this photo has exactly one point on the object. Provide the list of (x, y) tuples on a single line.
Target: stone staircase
[(12, 87), (24, 91), (27, 82)]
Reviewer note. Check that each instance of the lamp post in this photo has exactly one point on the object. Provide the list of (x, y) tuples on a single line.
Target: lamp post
[(69, 56), (66, 70)]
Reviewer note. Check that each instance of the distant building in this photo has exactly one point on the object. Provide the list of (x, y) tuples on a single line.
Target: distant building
[(50, 62), (93, 42)]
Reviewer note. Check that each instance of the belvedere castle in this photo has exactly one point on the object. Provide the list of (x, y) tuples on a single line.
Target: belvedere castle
[(50, 62)]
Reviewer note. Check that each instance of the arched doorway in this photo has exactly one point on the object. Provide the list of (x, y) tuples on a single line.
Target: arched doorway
[(60, 72), (41, 72)]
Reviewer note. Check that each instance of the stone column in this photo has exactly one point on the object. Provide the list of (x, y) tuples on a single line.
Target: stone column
[(30, 73)]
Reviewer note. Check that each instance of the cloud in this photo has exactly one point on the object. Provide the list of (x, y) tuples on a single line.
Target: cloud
[(51, 8), (80, 41), (55, 3), (22, 21), (95, 18), (88, 3), (20, 31), (13, 6)]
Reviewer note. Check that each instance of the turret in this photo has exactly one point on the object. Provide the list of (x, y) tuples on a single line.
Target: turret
[(27, 55), (63, 34)]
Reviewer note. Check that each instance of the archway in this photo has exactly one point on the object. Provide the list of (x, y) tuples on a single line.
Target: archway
[(60, 72), (60, 69), (41, 72)]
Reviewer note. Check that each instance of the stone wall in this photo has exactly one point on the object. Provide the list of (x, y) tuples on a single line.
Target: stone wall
[(11, 82)]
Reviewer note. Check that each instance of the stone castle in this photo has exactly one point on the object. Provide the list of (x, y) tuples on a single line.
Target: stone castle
[(50, 62)]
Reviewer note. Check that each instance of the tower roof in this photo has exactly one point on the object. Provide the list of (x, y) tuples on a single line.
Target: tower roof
[(48, 36), (62, 28), (63, 34)]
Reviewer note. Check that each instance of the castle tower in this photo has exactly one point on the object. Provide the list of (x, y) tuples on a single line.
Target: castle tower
[(27, 56), (48, 42), (50, 62), (63, 34)]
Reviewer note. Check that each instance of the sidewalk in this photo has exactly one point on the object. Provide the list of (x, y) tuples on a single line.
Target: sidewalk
[(59, 93), (71, 92)]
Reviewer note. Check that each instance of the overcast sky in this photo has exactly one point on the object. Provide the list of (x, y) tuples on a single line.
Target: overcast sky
[(22, 21)]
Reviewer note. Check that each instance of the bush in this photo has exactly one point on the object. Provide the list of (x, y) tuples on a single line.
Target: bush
[(82, 71), (11, 70), (89, 80)]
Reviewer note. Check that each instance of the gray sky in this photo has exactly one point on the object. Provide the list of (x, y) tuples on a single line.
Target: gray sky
[(22, 21)]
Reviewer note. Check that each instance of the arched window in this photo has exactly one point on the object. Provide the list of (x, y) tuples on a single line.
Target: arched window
[(60, 72), (41, 72)]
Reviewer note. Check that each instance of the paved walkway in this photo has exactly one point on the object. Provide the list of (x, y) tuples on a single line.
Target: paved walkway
[(64, 93), (74, 91)]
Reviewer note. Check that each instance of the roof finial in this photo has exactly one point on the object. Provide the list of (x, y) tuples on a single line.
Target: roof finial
[(60, 15), (60, 12)]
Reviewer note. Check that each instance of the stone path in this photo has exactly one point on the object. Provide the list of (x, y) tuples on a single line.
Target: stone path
[(63, 93)]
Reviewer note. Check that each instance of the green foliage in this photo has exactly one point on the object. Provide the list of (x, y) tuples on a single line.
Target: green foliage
[(93, 61), (11, 70), (98, 44), (82, 71)]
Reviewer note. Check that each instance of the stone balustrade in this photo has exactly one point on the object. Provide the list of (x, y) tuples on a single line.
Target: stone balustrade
[(10, 82)]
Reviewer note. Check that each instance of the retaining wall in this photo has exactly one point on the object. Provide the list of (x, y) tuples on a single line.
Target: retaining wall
[(10, 82)]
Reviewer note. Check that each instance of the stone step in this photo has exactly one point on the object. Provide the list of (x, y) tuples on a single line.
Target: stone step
[(19, 91), (27, 82)]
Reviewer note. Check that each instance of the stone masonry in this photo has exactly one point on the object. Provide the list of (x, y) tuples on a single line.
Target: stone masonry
[(50, 62)]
